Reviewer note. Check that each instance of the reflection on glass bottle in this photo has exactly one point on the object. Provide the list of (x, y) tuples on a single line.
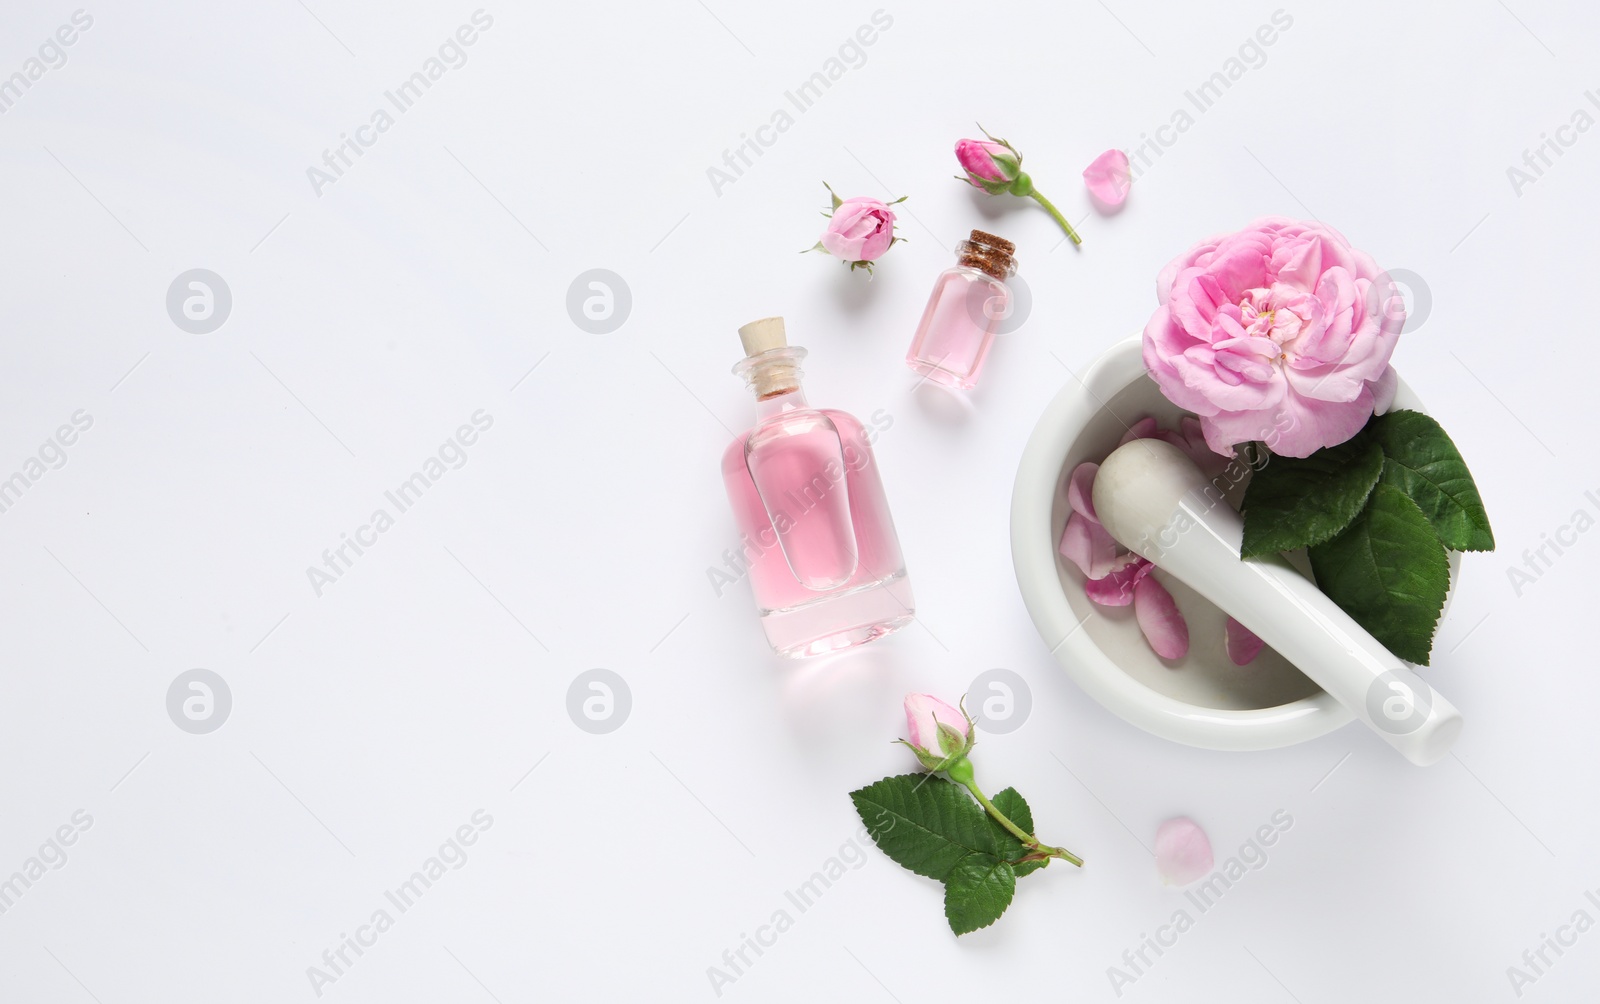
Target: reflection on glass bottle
[(824, 561), (968, 305)]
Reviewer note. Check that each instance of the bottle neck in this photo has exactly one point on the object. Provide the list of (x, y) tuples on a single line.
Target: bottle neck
[(780, 402), (774, 378), (988, 254)]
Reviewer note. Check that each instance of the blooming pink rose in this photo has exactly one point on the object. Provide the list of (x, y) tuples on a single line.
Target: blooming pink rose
[(1281, 332), (986, 160), (860, 229)]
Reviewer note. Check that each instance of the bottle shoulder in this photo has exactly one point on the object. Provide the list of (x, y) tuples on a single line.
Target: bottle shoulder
[(843, 420), (733, 455), (968, 274), (798, 422), (803, 420)]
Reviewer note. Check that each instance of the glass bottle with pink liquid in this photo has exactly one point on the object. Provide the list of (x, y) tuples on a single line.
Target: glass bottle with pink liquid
[(823, 558), (968, 305)]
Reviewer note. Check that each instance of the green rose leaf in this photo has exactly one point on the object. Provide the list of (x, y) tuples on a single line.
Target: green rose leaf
[(977, 891), (925, 823), (1389, 571), (1425, 464), (1016, 810), (1292, 503)]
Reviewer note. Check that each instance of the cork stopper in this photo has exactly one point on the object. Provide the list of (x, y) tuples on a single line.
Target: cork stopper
[(999, 243), (988, 254), (759, 336), (771, 365)]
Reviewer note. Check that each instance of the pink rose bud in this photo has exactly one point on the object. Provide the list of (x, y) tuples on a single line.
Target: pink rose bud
[(859, 230), (990, 166), (995, 166), (940, 734)]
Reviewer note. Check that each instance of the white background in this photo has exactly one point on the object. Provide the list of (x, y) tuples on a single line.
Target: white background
[(368, 323)]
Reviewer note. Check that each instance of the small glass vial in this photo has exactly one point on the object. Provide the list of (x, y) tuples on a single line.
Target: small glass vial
[(815, 532), (968, 305)]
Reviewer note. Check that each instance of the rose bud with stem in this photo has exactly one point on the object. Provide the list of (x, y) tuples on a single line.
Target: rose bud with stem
[(995, 166), (941, 737)]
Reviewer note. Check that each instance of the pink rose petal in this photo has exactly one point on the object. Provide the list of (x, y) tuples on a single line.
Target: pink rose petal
[(1116, 589), (1176, 439), (1183, 853), (1108, 177), (1080, 490), (1194, 441), (1088, 545), (1142, 429), (1383, 390), (1243, 645), (1163, 626)]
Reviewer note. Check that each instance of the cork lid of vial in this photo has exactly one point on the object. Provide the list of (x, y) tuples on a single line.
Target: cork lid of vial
[(988, 254), (759, 336), (774, 374)]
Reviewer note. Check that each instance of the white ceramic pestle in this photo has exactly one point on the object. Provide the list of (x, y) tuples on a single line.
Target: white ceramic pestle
[(1155, 502)]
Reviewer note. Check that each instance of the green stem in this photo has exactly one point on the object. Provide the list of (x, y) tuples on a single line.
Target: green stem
[(1053, 211), (961, 772), (1001, 818)]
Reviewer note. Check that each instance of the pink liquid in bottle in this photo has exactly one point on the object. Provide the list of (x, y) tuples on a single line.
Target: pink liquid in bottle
[(792, 462), (815, 531), (968, 305)]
